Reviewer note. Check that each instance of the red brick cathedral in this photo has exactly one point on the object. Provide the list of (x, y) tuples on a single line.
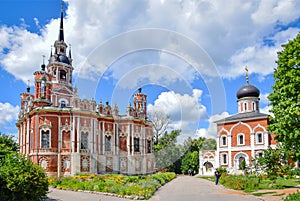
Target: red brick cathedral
[(240, 137), (67, 135)]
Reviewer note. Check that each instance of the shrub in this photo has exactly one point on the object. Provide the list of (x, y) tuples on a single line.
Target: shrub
[(293, 197), (20, 179)]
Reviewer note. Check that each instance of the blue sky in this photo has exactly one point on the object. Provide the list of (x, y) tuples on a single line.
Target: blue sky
[(189, 56)]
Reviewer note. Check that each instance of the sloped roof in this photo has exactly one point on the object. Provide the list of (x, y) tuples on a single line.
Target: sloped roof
[(243, 116)]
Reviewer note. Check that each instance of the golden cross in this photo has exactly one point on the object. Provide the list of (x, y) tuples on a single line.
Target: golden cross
[(247, 78)]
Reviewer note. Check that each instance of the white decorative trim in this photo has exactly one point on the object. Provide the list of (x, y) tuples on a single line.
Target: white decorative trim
[(236, 159), (237, 124), (223, 129), (259, 126)]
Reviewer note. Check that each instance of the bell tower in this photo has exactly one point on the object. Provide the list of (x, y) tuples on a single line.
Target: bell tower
[(140, 103), (60, 64)]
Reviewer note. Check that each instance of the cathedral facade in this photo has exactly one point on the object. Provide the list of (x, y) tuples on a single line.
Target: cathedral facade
[(67, 135), (240, 137)]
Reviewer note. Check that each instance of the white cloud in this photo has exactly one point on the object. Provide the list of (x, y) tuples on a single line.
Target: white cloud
[(231, 32), (264, 98), (184, 110), (211, 131), (8, 113), (266, 110)]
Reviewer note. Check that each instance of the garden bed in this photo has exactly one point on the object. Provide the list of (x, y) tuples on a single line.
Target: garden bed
[(133, 187)]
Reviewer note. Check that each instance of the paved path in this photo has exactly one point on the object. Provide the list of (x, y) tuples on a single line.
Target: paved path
[(183, 188)]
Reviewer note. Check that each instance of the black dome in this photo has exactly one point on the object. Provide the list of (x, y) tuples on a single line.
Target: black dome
[(63, 58), (247, 91)]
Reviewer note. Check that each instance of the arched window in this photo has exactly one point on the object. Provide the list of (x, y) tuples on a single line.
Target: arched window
[(45, 139), (62, 103), (245, 106), (43, 89), (62, 75), (223, 140), (136, 141), (242, 163), (84, 140), (149, 147), (224, 159), (253, 106), (107, 143), (240, 139), (259, 138)]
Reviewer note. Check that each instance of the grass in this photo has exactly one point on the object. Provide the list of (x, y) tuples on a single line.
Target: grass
[(141, 187), (263, 193), (252, 183)]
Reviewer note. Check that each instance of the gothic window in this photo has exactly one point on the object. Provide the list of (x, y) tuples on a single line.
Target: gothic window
[(224, 159), (45, 139), (107, 143), (63, 75), (259, 138), (43, 89), (84, 140), (240, 139), (223, 140), (149, 148), (136, 144)]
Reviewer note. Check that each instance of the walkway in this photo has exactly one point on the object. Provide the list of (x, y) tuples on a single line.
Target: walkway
[(183, 188)]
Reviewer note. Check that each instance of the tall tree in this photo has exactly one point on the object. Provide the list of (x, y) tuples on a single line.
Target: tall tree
[(167, 153), (160, 121), (285, 98), (7, 145)]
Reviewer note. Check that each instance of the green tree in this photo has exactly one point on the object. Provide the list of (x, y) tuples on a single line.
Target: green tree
[(7, 145), (285, 98), (20, 179), (190, 161), (274, 162), (209, 144), (167, 153)]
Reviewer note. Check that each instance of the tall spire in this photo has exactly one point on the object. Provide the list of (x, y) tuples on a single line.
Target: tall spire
[(28, 86), (61, 28)]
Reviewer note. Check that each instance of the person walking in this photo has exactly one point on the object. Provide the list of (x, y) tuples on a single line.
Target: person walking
[(217, 176)]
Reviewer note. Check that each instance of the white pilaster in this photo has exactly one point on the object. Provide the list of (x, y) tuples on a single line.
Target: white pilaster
[(252, 140), (28, 135), (229, 150), (78, 135)]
